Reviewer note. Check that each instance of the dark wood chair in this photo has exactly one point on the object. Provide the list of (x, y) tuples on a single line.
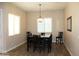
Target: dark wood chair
[(48, 43), (59, 38), (35, 42), (29, 40)]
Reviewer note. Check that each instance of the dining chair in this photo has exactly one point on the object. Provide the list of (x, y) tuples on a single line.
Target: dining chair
[(48, 43), (59, 38), (29, 40)]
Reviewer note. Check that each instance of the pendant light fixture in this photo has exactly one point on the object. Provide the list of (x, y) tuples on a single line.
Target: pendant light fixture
[(40, 17), (40, 10)]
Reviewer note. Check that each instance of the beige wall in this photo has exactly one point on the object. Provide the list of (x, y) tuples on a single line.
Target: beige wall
[(1, 38), (11, 42), (56, 15), (1, 28), (72, 38), (29, 23)]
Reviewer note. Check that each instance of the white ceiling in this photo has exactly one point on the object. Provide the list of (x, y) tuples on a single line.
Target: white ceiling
[(46, 6)]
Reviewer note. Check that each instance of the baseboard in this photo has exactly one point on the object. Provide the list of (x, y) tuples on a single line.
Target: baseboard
[(14, 47), (68, 49)]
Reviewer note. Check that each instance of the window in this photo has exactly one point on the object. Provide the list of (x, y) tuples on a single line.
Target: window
[(48, 24), (17, 25), (13, 24), (44, 25), (40, 26)]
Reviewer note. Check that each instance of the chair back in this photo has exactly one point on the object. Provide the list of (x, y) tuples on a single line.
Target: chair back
[(29, 34), (42, 33), (60, 34)]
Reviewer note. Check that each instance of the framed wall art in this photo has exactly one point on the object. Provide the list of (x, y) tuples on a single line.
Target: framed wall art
[(69, 23)]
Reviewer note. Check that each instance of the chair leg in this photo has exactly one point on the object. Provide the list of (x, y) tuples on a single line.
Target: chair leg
[(61, 40), (56, 40), (27, 47), (50, 49)]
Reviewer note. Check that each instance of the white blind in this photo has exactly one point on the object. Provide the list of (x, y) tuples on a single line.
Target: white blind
[(44, 25), (13, 24), (48, 24)]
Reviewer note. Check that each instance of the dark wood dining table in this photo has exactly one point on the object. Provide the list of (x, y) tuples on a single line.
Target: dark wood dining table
[(41, 42)]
